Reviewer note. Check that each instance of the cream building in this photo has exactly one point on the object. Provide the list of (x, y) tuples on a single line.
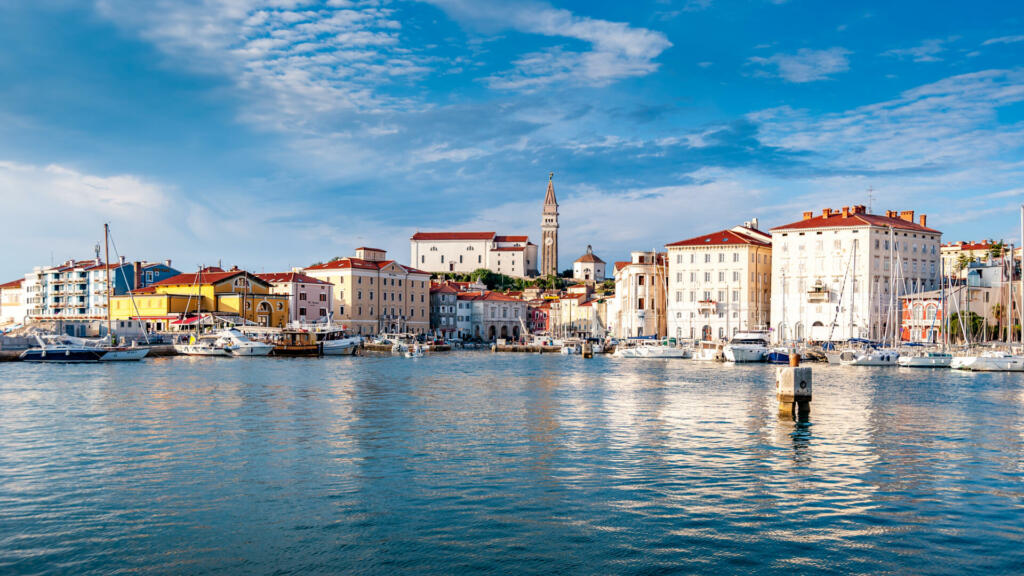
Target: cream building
[(13, 305), (720, 283), (840, 274), (588, 268), (373, 294), (640, 296), (464, 252)]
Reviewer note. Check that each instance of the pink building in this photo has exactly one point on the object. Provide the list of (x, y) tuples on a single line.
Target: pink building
[(309, 299)]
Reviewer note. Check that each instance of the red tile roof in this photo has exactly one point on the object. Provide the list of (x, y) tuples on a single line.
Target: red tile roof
[(349, 263), (720, 238), (443, 289), (511, 238), (968, 246), (453, 236), (211, 275), (13, 283), (589, 259), (286, 277), (620, 265), (837, 220)]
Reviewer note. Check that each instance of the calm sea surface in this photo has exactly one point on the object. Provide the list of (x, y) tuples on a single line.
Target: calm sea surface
[(504, 463)]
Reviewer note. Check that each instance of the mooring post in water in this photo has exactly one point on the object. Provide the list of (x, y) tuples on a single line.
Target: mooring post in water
[(793, 388), (588, 350)]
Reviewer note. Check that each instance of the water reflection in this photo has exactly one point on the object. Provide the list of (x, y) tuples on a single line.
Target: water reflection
[(504, 463)]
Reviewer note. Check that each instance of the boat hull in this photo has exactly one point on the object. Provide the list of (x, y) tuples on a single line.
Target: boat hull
[(986, 364), (249, 351), (872, 358), (339, 347), (925, 361), (745, 353), (133, 354), (296, 351), (66, 356), (194, 350)]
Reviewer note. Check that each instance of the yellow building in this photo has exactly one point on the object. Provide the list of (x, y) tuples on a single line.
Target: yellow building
[(176, 301)]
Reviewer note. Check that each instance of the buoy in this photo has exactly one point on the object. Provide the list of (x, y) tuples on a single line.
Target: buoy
[(793, 388)]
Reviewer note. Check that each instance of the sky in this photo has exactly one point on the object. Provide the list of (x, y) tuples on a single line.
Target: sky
[(275, 133)]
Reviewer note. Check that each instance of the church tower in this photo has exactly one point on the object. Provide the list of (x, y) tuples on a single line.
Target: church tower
[(549, 231)]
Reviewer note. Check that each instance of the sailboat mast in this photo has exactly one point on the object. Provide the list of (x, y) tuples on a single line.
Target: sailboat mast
[(106, 256)]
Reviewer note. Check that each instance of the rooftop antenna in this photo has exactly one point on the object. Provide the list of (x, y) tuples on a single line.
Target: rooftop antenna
[(96, 249), (871, 198)]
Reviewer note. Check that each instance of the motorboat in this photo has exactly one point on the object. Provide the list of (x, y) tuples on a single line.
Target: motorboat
[(341, 346), (202, 346), (926, 359), (708, 351), (651, 349), (124, 353), (569, 349), (292, 342), (747, 347), (780, 354), (869, 357), (62, 351), (990, 361), (238, 344), (414, 351)]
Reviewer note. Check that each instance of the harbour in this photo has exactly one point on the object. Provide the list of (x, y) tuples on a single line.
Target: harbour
[(504, 463)]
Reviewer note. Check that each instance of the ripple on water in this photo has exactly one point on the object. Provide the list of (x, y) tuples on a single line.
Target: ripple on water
[(497, 463)]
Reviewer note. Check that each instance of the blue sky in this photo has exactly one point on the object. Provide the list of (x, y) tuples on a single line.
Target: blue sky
[(274, 133)]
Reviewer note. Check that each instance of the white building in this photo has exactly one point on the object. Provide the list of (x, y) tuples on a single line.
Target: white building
[(13, 305), (840, 274), (464, 252), (719, 284), (490, 315), (640, 296), (588, 268)]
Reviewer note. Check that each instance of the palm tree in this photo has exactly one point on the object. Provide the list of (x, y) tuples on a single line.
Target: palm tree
[(996, 250), (962, 261), (997, 315)]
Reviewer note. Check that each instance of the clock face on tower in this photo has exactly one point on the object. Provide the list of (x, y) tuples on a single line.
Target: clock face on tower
[(548, 241)]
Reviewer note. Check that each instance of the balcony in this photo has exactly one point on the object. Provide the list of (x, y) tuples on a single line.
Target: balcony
[(818, 294), (709, 306)]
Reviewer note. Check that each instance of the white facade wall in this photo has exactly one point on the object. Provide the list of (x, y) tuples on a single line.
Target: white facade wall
[(588, 271), (465, 256), (862, 273), (640, 293), (715, 292), (13, 306)]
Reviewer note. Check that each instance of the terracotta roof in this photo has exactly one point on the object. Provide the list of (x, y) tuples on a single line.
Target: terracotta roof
[(720, 238), (146, 290), (620, 265), (837, 220), (13, 283), (470, 295), (285, 277), (444, 288), (499, 297), (453, 236), (511, 238), (969, 246), (207, 276), (359, 263), (589, 258)]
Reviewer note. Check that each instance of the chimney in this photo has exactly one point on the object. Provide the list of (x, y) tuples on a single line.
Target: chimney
[(907, 215), (846, 211), (826, 212), (808, 215), (122, 260), (859, 209), (138, 276), (168, 262), (924, 220), (753, 223)]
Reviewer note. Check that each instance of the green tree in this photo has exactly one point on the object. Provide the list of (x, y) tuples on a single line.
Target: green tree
[(972, 322), (962, 261), (995, 251)]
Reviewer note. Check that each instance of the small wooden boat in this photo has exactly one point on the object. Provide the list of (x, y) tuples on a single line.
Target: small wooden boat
[(296, 343)]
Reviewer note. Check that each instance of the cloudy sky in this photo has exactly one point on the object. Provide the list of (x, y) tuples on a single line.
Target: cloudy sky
[(274, 133)]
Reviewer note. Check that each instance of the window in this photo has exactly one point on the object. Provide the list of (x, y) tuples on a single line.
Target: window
[(721, 276), (359, 295), (679, 258), (640, 280), (442, 258), (323, 297), (693, 258), (735, 295), (707, 258), (679, 295), (679, 276), (423, 259), (735, 276), (302, 311), (721, 257), (707, 276), (302, 295), (479, 259), (640, 303)]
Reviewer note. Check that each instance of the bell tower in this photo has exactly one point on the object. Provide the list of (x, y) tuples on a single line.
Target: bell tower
[(549, 231)]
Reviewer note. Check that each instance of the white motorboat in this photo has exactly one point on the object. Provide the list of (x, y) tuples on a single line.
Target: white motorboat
[(707, 351), (991, 361), (569, 349), (926, 359), (747, 347), (341, 346), (414, 351), (238, 344), (124, 353), (652, 350), (58, 350), (203, 346), (869, 357)]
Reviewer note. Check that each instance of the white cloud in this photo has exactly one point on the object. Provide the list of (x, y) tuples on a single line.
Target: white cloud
[(1004, 40), (927, 51), (617, 50), (947, 123), (806, 65)]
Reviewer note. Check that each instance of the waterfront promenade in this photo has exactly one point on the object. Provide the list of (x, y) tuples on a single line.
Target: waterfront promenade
[(504, 464)]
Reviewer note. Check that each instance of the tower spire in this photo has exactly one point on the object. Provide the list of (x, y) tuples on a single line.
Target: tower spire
[(549, 198), (549, 230)]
